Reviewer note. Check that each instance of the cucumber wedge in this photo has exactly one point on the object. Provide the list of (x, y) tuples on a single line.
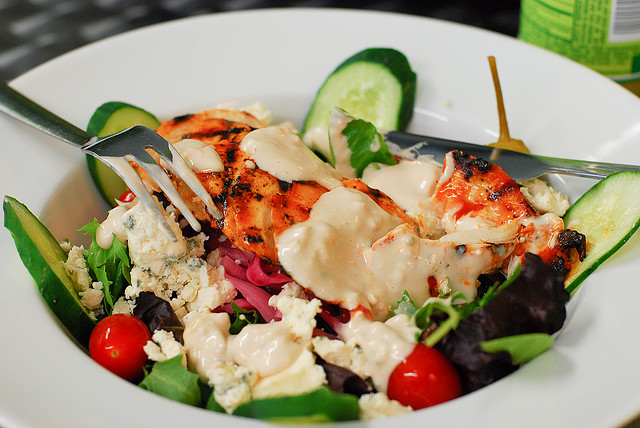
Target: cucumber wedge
[(608, 214), (108, 119), (376, 84), (321, 405), (43, 258)]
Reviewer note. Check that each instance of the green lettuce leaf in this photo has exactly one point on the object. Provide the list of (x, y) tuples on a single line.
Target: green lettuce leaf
[(111, 266), (522, 348), (171, 380)]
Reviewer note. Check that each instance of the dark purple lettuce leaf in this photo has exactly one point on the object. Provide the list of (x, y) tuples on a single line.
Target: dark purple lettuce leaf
[(533, 303), (158, 314), (344, 381)]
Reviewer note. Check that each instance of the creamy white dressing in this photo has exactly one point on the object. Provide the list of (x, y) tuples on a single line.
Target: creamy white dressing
[(352, 252), (205, 338), (317, 138), (111, 226), (384, 344), (264, 348), (281, 153), (326, 252), (341, 151), (404, 261), (200, 156), (410, 183)]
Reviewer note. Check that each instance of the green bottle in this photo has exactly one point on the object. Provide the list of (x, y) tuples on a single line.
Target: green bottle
[(601, 34)]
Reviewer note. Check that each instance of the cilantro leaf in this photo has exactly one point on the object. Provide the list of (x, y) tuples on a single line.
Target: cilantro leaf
[(110, 266), (242, 317), (367, 145)]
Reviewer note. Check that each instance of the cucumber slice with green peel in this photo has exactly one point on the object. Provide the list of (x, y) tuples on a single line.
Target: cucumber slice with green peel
[(108, 119), (43, 257), (376, 84), (321, 405), (608, 214)]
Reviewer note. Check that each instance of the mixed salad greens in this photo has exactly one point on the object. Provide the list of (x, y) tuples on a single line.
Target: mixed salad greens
[(466, 344)]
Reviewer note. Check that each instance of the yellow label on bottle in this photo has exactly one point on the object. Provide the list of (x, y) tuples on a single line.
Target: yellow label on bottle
[(601, 34)]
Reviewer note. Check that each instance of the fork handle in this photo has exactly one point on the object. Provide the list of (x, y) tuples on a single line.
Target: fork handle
[(27, 111), (583, 168)]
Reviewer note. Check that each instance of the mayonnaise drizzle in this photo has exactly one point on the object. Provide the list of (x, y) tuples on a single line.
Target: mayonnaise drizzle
[(352, 252), (200, 156), (384, 344), (111, 226), (410, 183), (326, 252), (265, 348), (281, 153)]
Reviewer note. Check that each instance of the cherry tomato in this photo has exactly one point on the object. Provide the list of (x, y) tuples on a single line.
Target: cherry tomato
[(127, 196), (117, 342), (424, 378)]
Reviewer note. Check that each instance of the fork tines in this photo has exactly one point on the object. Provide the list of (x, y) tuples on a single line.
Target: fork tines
[(118, 150)]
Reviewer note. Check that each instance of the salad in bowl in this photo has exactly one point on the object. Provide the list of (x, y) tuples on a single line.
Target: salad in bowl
[(348, 278)]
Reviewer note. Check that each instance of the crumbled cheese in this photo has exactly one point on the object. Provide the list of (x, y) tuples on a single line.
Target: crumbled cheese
[(260, 111), (164, 346), (91, 298), (76, 268), (66, 246), (232, 384), (347, 355), (90, 292), (298, 313), (544, 198), (276, 357), (123, 306), (256, 109), (304, 375), (378, 405), (174, 271)]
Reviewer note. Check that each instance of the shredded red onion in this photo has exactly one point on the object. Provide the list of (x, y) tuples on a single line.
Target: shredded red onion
[(256, 273), (257, 297), (241, 257), (233, 269), (241, 303)]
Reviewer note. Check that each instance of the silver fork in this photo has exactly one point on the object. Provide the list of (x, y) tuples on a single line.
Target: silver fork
[(116, 151), (520, 166)]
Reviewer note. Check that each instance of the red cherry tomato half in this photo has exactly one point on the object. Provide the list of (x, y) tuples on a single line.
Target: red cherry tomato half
[(425, 378), (117, 342), (127, 196)]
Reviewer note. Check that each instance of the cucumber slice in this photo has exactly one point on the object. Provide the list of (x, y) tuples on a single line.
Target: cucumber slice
[(108, 119), (43, 258), (376, 84), (608, 214), (321, 405)]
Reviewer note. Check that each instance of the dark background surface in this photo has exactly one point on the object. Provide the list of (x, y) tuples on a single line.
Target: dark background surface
[(34, 31)]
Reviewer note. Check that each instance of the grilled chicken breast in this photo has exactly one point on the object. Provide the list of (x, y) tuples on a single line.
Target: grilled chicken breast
[(257, 206), (473, 192)]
